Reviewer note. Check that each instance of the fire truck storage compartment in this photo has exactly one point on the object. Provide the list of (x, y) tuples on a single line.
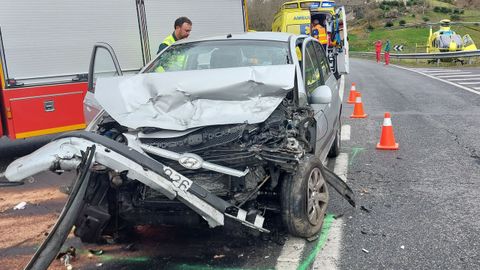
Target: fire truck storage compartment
[(47, 46), (43, 114)]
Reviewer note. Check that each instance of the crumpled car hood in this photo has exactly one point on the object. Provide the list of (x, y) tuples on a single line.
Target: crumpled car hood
[(188, 99)]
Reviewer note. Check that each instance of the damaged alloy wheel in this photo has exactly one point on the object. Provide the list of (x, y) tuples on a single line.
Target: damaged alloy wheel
[(305, 198)]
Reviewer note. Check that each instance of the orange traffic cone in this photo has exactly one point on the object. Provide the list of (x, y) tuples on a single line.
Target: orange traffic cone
[(387, 140), (353, 94), (358, 109)]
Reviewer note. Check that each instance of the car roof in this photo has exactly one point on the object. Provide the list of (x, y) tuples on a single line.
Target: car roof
[(272, 36)]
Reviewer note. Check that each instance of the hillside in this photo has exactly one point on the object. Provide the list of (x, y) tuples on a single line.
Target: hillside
[(408, 25)]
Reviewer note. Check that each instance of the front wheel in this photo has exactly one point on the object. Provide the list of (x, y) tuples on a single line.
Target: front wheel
[(305, 198)]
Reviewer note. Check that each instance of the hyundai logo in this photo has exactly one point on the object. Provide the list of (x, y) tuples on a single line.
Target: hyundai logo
[(190, 161)]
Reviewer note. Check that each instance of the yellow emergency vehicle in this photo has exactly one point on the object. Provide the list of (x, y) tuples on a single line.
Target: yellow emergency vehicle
[(296, 16), (447, 40)]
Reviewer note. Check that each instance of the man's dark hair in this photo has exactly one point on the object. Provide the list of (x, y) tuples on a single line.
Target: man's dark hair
[(180, 21)]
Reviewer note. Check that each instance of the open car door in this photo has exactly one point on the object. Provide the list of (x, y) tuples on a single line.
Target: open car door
[(341, 35), (103, 63)]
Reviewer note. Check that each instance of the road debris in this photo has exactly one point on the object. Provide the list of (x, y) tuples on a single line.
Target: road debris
[(363, 208), (99, 264), (96, 252), (20, 206), (130, 247), (67, 257), (402, 247), (218, 256), (364, 250)]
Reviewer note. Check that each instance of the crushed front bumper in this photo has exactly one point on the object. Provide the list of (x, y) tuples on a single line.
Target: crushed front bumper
[(65, 153)]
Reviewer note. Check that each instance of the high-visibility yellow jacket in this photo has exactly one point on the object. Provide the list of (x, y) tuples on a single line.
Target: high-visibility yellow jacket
[(319, 33), (177, 62), (169, 40)]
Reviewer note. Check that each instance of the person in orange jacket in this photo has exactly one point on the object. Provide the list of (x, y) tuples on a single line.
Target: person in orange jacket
[(319, 33)]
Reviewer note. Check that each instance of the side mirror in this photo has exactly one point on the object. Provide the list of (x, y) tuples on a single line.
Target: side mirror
[(321, 95)]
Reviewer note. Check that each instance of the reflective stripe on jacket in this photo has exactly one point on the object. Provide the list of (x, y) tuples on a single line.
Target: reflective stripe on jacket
[(320, 34)]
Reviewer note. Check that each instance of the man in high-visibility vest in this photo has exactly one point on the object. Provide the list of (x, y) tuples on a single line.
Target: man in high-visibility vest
[(183, 27), (319, 33)]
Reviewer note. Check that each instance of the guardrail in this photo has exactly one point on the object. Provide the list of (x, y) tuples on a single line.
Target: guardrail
[(432, 57), (443, 55)]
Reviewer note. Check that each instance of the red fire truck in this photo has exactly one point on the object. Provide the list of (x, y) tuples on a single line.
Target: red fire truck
[(45, 51)]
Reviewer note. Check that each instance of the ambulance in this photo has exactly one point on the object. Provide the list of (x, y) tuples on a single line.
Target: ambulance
[(45, 49), (297, 17)]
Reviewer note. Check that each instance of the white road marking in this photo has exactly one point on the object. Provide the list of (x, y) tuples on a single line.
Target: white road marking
[(328, 257), (455, 76), (476, 88), (291, 254), (466, 83), (464, 79), (449, 73), (438, 79), (341, 88), (433, 70), (345, 133)]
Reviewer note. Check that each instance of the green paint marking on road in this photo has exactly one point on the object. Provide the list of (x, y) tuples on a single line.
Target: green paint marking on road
[(327, 224), (206, 267), (355, 152), (107, 258)]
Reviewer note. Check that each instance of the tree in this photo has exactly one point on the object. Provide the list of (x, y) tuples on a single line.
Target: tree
[(469, 3), (261, 13)]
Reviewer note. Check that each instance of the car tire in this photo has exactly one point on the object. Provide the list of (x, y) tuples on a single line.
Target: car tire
[(337, 143), (304, 198)]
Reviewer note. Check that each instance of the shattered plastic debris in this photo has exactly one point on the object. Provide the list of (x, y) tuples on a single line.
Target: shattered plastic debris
[(364, 191), (363, 208), (130, 247), (218, 256), (266, 257), (20, 206), (96, 252), (364, 250), (67, 255)]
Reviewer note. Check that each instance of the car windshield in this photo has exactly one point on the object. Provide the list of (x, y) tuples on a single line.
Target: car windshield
[(221, 54)]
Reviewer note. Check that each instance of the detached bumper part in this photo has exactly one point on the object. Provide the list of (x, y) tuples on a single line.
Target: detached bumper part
[(66, 153)]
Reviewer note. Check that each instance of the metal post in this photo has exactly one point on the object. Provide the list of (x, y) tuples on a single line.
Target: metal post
[(438, 62)]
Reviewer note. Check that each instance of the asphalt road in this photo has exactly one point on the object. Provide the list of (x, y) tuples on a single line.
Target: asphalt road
[(425, 196), (418, 207)]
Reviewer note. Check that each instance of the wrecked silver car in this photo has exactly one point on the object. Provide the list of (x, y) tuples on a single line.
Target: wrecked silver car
[(217, 129)]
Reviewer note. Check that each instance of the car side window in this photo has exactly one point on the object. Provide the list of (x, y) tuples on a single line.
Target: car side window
[(313, 77), (322, 59)]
